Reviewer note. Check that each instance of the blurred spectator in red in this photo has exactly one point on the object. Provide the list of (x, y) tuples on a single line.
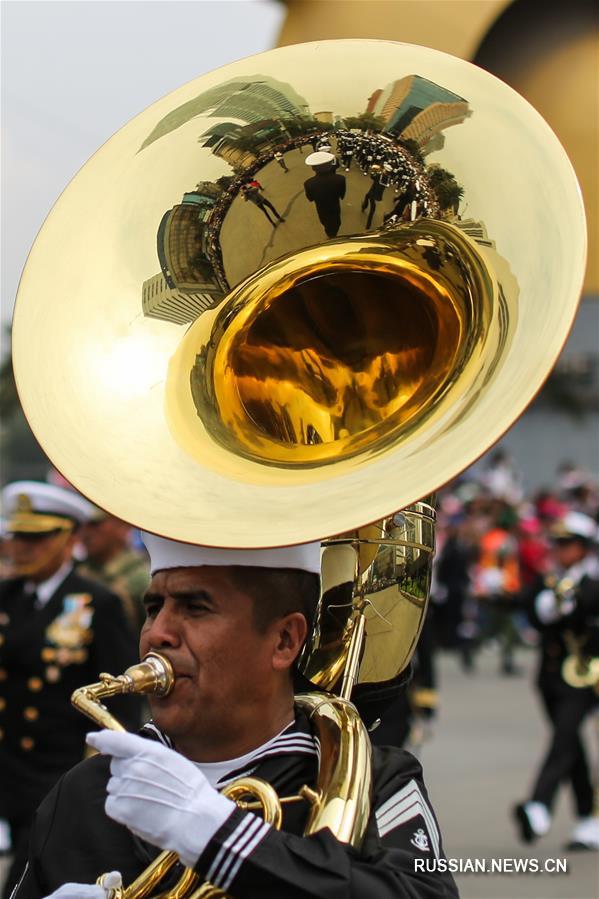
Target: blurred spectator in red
[(548, 507), (533, 550)]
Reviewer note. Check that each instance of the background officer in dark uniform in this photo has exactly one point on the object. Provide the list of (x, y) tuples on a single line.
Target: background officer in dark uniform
[(57, 632), (325, 189), (565, 610)]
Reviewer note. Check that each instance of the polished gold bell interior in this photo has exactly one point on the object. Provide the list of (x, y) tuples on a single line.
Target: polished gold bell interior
[(338, 350)]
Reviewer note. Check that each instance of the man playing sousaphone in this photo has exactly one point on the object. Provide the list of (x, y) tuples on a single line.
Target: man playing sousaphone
[(232, 624), (324, 388)]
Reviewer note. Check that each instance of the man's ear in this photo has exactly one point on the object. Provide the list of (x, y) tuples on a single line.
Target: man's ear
[(291, 632)]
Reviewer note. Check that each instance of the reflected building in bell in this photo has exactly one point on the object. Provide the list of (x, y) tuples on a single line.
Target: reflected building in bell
[(188, 283), (226, 141), (373, 100), (242, 145), (253, 101), (325, 116), (173, 305), (426, 127), (476, 230), (246, 101), (415, 108)]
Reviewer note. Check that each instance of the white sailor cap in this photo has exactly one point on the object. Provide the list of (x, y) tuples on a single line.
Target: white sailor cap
[(33, 507), (575, 525), (165, 554), (321, 157)]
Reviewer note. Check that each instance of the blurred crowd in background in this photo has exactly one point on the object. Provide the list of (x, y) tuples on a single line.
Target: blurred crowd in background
[(497, 547), (494, 541)]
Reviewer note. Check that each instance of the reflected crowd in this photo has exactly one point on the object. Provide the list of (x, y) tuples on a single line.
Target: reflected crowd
[(391, 171)]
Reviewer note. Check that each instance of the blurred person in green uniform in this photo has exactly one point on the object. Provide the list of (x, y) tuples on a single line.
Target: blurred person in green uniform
[(112, 560)]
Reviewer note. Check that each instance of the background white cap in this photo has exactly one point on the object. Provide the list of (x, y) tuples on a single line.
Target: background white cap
[(166, 554), (575, 524), (45, 499)]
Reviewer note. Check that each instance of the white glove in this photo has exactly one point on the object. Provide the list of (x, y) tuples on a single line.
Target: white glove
[(549, 610), (160, 795), (88, 890)]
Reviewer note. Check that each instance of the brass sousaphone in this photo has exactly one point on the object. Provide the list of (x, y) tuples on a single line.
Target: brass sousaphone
[(197, 357)]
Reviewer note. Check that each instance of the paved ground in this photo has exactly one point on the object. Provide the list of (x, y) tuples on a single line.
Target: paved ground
[(487, 742), (483, 755)]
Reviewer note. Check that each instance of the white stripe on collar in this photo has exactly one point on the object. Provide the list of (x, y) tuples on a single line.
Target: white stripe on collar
[(289, 741), (150, 727)]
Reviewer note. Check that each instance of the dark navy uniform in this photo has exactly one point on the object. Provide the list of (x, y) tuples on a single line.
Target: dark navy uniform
[(566, 706), (247, 857), (326, 189), (45, 654)]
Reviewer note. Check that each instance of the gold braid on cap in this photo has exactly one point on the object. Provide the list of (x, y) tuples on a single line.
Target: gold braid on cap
[(26, 520)]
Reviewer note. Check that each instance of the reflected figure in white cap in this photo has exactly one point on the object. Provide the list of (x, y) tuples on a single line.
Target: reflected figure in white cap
[(326, 189)]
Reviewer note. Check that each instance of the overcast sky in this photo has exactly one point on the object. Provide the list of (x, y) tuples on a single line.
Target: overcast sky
[(74, 72)]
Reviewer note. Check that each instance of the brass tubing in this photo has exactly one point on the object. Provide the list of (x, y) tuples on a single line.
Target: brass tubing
[(352, 667), (186, 882), (151, 876)]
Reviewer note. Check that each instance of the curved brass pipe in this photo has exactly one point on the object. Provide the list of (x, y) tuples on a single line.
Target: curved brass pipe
[(581, 671)]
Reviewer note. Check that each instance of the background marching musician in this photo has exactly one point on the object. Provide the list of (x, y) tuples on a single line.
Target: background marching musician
[(57, 631), (565, 609), (232, 623)]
